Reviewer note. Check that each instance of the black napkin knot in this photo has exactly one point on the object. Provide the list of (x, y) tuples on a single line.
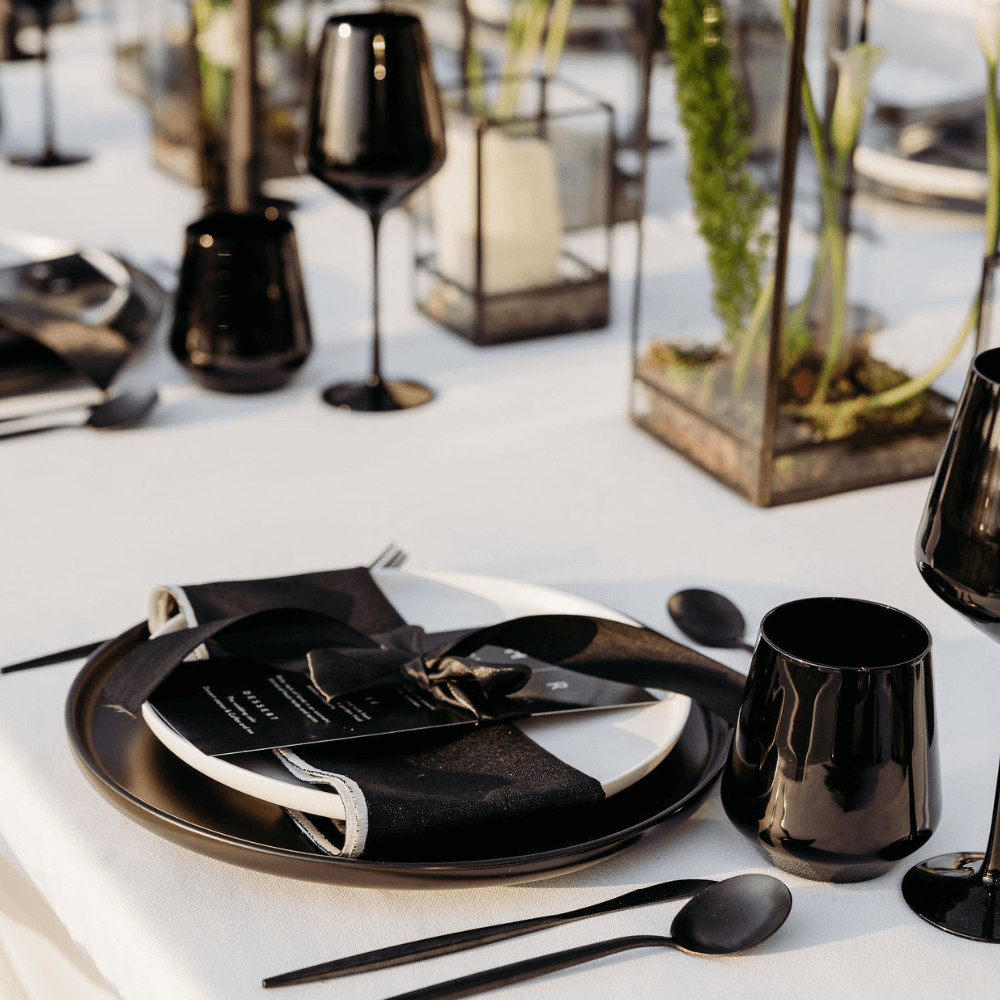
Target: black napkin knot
[(462, 682)]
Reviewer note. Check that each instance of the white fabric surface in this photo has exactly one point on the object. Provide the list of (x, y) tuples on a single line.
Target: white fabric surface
[(38, 959), (526, 466)]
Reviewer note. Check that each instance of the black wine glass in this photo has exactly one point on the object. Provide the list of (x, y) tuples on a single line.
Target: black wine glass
[(958, 554), (375, 134), (50, 156)]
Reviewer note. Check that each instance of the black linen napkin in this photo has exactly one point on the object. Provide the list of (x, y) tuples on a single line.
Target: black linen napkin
[(96, 352), (437, 794), (349, 595)]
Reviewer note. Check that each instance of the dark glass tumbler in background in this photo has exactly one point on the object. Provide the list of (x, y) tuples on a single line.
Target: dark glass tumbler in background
[(833, 770), (241, 324)]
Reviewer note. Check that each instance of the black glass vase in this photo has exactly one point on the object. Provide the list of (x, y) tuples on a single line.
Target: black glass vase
[(241, 322)]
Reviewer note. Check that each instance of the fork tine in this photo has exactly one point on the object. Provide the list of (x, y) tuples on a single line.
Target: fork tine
[(392, 557), (379, 561)]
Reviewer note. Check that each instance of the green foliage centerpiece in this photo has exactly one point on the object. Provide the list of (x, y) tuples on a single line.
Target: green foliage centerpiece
[(830, 387)]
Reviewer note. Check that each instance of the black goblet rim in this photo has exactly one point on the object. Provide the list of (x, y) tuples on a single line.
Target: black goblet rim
[(821, 664), (375, 19), (986, 362), (226, 225)]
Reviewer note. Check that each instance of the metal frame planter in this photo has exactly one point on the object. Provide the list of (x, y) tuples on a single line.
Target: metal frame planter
[(834, 417), (486, 288)]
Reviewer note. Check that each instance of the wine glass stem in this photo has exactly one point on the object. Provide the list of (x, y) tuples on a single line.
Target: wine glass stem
[(990, 868), (48, 110), (376, 375)]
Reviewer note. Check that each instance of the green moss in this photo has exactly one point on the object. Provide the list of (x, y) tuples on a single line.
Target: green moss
[(727, 201), (667, 355)]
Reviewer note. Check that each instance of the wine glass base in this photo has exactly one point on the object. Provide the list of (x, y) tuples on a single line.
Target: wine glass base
[(47, 160), (382, 397), (948, 892)]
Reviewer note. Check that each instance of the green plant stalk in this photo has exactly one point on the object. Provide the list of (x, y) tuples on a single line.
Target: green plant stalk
[(992, 223), (795, 323), (836, 243), (835, 345), (830, 235), (524, 39), (555, 40), (215, 80), (751, 339), (537, 16), (474, 74), (901, 393), (516, 28)]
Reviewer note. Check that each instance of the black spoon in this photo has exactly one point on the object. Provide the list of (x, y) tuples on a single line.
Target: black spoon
[(726, 918), (124, 410), (708, 618), (445, 944)]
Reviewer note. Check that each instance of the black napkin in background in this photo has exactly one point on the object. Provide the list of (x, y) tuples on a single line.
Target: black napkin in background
[(96, 352), (490, 786)]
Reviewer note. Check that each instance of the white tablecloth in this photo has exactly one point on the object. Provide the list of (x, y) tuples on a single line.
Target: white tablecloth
[(526, 467)]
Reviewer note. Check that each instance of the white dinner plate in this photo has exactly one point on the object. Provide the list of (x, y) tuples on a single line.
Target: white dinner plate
[(616, 746)]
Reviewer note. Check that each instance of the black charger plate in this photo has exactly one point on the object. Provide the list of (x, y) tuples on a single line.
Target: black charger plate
[(141, 778)]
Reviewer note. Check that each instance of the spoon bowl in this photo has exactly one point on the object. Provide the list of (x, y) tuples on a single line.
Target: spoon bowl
[(731, 916), (120, 412), (708, 618)]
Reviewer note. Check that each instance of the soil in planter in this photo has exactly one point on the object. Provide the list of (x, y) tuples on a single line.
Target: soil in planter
[(703, 377)]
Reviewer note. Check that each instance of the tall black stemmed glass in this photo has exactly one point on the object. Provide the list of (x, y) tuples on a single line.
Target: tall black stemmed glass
[(375, 134), (958, 554), (50, 156)]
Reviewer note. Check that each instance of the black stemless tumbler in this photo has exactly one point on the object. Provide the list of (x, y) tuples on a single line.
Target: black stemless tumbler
[(241, 323), (833, 770)]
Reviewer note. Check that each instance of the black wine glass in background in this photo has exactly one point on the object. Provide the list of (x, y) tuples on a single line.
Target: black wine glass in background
[(958, 554), (50, 157), (375, 133)]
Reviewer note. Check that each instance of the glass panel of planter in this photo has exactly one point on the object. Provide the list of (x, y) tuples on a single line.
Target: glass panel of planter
[(799, 320), (129, 34), (605, 53), (189, 61), (515, 241), (172, 89)]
